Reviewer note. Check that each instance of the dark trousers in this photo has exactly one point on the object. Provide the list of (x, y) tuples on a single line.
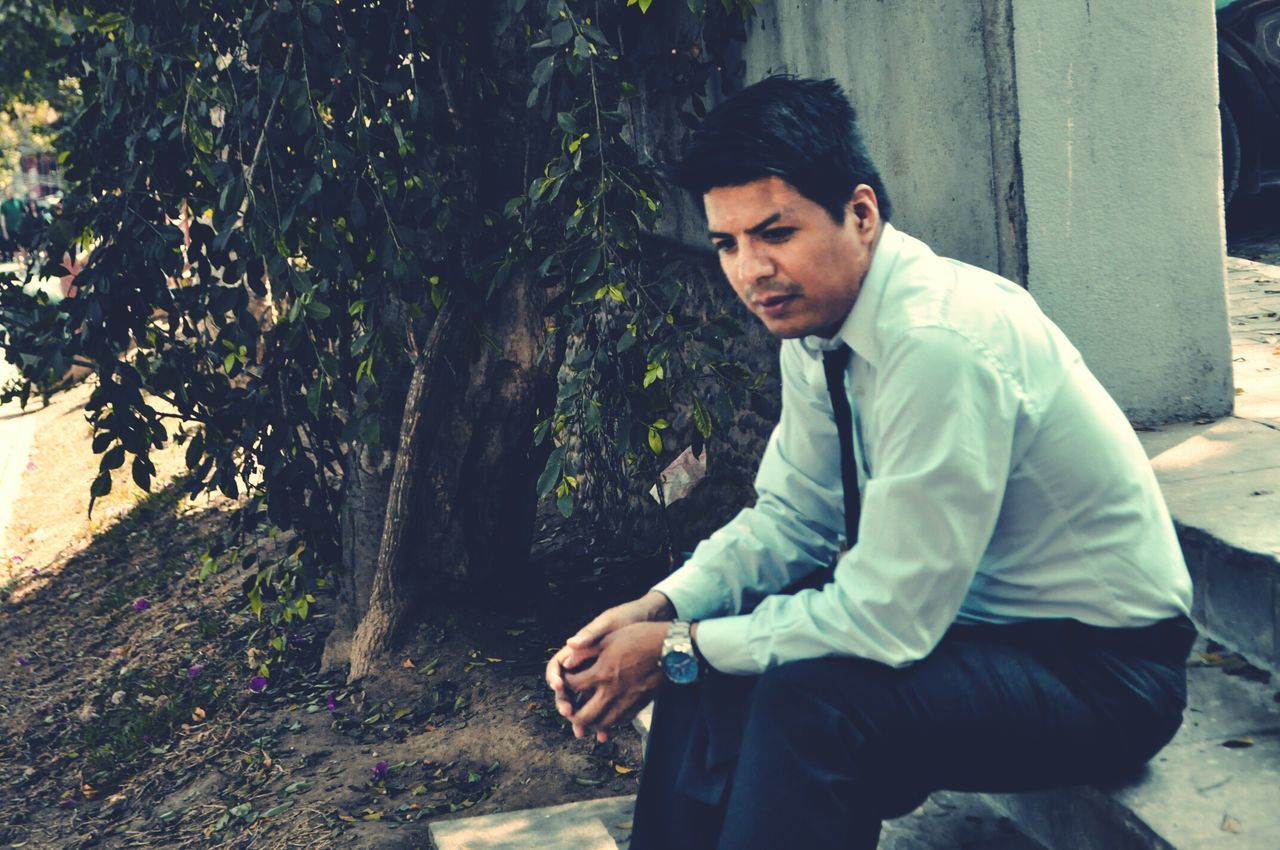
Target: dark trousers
[(815, 754)]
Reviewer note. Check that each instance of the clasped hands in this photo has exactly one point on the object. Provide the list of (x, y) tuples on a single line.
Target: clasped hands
[(610, 668)]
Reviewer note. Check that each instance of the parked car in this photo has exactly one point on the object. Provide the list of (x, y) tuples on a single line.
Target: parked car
[(1249, 95)]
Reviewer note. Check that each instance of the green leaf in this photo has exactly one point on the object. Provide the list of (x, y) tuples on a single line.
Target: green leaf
[(101, 485), (142, 470), (644, 5), (277, 809), (543, 70), (564, 503), (701, 418), (313, 398), (654, 372), (551, 472), (655, 441), (113, 459), (318, 310), (561, 33), (195, 450)]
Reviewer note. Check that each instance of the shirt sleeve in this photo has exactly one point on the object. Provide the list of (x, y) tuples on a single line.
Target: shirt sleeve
[(944, 420), (797, 522)]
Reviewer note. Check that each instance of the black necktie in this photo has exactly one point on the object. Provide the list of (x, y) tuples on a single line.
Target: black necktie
[(834, 362)]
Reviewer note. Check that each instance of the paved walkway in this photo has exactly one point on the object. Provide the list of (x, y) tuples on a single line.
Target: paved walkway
[(1253, 292), (15, 431)]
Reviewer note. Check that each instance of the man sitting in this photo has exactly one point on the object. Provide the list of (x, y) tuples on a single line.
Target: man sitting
[(1007, 609)]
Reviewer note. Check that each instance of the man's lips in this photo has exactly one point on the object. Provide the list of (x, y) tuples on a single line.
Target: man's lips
[(771, 305)]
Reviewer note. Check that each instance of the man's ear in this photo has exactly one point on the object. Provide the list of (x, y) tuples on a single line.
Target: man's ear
[(864, 208)]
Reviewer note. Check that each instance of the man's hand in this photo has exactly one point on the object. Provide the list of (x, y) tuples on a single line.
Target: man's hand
[(625, 675), (586, 645)]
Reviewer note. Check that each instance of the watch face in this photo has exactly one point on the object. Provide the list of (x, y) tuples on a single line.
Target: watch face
[(680, 667)]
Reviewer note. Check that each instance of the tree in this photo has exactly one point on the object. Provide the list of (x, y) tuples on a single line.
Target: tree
[(349, 245)]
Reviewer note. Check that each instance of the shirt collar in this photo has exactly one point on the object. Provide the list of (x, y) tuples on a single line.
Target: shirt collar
[(858, 329)]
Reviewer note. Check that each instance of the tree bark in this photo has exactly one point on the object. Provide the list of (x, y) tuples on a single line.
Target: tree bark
[(462, 502), (381, 622)]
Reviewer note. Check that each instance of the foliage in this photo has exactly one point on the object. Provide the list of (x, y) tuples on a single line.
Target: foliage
[(32, 64), (278, 198)]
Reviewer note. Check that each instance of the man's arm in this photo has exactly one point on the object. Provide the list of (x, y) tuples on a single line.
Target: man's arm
[(944, 429), (797, 522), (794, 528)]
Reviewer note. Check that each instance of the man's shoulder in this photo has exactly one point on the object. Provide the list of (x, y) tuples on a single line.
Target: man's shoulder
[(995, 318)]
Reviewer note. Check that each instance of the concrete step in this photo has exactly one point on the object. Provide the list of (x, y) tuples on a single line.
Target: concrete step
[(603, 824), (1221, 481), (1217, 785)]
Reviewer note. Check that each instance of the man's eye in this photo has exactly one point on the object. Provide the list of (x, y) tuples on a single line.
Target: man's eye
[(723, 245), (779, 234)]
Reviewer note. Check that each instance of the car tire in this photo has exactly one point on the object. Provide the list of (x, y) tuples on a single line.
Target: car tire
[(1230, 155)]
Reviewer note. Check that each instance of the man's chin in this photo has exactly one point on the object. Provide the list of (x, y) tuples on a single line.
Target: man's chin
[(792, 330)]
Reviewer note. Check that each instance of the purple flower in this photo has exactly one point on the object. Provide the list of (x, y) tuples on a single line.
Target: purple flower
[(258, 684), (35, 571), (146, 739), (22, 661), (194, 670), (31, 466), (379, 771), (330, 703), (141, 604), (17, 559)]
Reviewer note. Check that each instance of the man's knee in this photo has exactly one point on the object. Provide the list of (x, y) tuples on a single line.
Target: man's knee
[(829, 692)]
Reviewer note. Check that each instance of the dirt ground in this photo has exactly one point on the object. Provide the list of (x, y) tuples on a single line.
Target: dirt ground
[(128, 715)]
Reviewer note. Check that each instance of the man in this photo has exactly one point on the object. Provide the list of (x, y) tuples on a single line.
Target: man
[(1009, 608), (10, 224)]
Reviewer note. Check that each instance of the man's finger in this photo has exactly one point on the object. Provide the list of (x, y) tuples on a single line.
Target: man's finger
[(585, 718), (590, 633), (555, 671)]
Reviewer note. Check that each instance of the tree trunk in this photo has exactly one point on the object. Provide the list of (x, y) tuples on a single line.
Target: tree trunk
[(461, 505), (364, 510)]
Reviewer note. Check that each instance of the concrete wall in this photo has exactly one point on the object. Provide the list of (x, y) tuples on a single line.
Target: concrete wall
[(1071, 145), (1121, 163), (915, 70)]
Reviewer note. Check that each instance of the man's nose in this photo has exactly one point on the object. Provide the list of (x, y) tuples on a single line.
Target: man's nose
[(754, 265)]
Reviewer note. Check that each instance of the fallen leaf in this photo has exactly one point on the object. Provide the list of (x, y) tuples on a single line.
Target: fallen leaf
[(588, 782), (622, 770), (626, 824), (407, 664), (1238, 743), (1230, 824), (198, 714)]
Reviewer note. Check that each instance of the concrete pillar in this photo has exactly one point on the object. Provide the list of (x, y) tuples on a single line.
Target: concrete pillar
[(1071, 145)]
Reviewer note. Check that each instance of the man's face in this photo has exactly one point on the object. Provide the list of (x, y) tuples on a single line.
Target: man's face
[(788, 260)]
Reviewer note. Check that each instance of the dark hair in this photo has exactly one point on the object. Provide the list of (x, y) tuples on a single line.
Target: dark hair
[(804, 131)]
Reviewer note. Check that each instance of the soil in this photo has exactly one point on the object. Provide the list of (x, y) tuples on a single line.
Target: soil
[(129, 714)]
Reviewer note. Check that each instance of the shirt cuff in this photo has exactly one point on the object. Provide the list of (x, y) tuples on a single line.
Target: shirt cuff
[(723, 642), (694, 593)]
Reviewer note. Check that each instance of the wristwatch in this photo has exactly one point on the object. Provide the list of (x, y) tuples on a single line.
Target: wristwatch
[(679, 658)]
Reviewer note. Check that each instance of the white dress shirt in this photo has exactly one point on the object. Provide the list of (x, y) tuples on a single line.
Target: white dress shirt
[(999, 483)]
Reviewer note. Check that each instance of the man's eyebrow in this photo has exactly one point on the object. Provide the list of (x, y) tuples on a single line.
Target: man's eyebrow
[(751, 231)]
